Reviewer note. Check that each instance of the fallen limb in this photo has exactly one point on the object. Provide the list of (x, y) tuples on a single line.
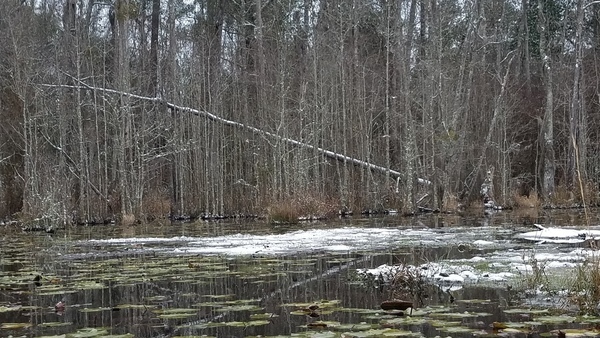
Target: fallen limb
[(213, 117)]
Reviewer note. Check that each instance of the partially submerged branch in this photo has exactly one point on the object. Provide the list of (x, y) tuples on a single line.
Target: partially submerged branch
[(213, 117)]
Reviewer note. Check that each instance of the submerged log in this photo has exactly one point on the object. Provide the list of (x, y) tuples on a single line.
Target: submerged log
[(396, 304)]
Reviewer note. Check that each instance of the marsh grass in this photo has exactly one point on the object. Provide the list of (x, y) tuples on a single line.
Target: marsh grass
[(526, 201), (586, 193), (451, 203), (409, 284), (283, 212), (156, 205), (585, 288), (127, 219), (296, 208), (575, 288)]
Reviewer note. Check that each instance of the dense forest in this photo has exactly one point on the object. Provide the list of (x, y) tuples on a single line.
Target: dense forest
[(135, 109)]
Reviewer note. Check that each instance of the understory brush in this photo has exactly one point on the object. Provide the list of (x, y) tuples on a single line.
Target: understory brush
[(526, 201), (296, 208), (409, 283), (576, 288)]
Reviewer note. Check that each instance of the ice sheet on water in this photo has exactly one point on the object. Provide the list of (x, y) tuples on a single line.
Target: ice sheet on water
[(560, 235), (311, 240)]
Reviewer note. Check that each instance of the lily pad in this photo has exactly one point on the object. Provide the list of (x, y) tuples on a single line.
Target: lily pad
[(456, 329), (55, 324), (90, 285), (382, 333), (226, 296), (356, 327), (527, 311), (250, 323), (202, 326), (88, 333), (235, 308), (15, 326), (98, 309), (176, 315), (171, 311), (460, 315), (555, 319), (576, 333), (266, 315)]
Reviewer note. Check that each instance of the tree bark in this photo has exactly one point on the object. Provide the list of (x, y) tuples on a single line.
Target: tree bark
[(575, 111), (548, 121)]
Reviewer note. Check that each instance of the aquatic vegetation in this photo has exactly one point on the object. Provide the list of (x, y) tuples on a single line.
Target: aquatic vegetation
[(209, 280)]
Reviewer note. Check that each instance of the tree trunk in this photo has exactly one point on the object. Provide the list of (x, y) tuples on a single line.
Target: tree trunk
[(155, 26), (575, 111), (547, 124)]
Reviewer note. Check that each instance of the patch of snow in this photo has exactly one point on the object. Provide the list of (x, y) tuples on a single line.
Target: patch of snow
[(482, 243), (449, 279), (523, 268), (312, 240), (556, 265), (469, 276), (559, 235), (498, 277), (141, 240)]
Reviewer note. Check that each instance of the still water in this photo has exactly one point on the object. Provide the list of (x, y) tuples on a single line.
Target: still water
[(244, 279)]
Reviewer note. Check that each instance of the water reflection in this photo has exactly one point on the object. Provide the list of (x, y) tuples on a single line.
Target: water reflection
[(141, 290)]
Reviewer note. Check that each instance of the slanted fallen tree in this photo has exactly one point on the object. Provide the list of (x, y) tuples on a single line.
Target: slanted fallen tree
[(235, 124)]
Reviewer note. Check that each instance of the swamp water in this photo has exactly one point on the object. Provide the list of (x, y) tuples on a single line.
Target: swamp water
[(321, 279)]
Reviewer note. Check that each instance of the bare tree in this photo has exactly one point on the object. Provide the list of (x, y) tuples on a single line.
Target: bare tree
[(547, 122)]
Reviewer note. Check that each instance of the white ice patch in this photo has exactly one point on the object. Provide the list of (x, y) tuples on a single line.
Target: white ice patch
[(482, 243), (559, 235), (344, 239), (447, 277), (142, 240), (329, 240)]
